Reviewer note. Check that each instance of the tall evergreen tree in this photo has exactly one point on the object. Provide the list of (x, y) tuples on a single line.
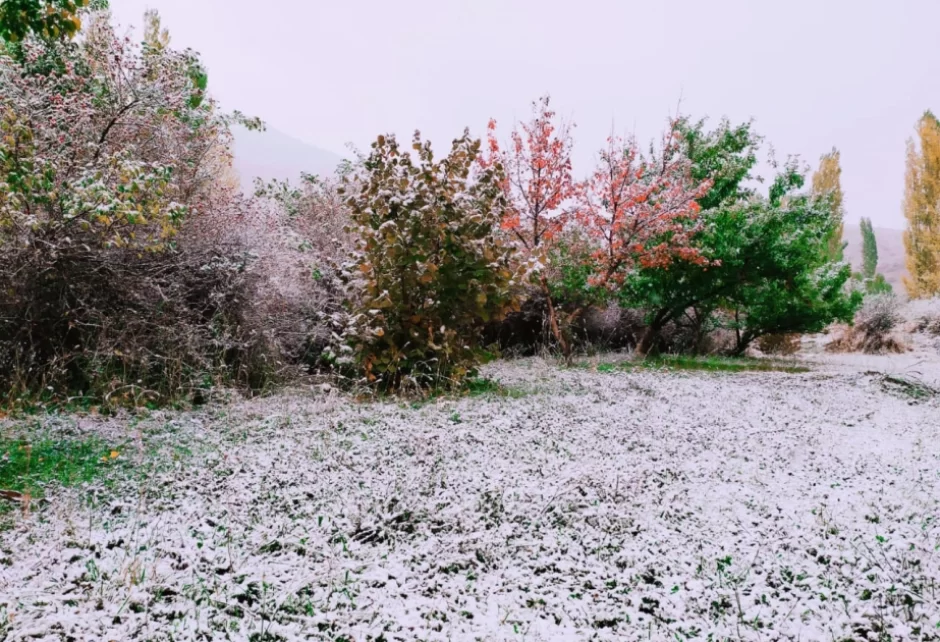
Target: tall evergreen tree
[(922, 209), (827, 183), (869, 249)]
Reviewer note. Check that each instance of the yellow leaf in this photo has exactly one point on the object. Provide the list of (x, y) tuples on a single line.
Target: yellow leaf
[(114, 454)]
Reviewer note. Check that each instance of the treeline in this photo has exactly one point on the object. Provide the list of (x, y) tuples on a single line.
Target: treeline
[(133, 271)]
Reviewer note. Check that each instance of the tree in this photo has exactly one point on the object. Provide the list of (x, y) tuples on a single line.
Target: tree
[(117, 229), (922, 210), (537, 182), (765, 267), (869, 249), (113, 149), (429, 268), (724, 157), (793, 286), (640, 211), (827, 184), (51, 19)]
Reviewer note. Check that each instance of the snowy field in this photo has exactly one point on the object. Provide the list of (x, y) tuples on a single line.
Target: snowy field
[(583, 503)]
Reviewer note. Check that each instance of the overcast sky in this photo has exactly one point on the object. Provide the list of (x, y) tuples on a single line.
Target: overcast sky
[(854, 74)]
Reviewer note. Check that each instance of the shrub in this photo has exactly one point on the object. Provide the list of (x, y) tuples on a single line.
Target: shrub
[(124, 276), (879, 315), (117, 327), (429, 269), (874, 323), (301, 242)]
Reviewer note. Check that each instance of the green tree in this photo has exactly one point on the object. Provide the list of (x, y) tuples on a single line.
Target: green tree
[(725, 156), (869, 249), (791, 286), (768, 271), (827, 183), (429, 267)]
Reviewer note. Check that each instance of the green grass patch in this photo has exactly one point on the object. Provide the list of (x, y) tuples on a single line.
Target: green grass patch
[(477, 386), (471, 387), (30, 466), (705, 364)]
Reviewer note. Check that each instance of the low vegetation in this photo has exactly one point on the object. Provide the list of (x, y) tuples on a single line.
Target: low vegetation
[(874, 329), (704, 364), (28, 467)]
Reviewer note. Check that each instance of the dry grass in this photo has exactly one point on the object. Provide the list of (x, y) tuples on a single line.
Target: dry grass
[(854, 339), (780, 344)]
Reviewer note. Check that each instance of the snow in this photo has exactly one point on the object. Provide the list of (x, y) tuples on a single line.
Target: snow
[(626, 505)]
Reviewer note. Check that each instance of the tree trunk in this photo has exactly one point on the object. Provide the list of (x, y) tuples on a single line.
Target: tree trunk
[(652, 334), (744, 340), (553, 324)]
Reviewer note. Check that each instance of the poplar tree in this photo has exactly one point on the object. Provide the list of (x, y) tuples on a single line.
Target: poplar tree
[(827, 183), (922, 209), (869, 249)]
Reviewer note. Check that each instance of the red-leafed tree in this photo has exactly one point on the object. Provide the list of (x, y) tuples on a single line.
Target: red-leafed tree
[(538, 183), (640, 211)]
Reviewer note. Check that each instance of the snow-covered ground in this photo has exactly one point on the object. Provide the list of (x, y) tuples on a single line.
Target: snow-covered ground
[(625, 505)]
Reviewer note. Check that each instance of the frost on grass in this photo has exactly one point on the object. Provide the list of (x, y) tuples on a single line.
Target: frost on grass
[(629, 505)]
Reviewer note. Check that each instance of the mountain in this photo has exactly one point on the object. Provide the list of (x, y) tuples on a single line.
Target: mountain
[(890, 252), (272, 154)]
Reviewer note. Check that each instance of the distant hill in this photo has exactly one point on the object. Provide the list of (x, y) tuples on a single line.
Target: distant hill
[(890, 252), (272, 154)]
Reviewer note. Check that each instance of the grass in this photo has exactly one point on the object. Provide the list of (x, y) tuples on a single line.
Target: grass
[(478, 386), (706, 364), (916, 390), (28, 467)]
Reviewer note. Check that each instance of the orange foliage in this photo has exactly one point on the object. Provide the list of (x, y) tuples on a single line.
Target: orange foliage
[(640, 211)]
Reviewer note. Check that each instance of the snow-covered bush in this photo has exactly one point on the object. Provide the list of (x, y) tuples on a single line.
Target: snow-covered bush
[(873, 330), (429, 269), (301, 244), (879, 315)]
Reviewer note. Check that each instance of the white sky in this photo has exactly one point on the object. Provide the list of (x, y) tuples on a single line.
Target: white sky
[(855, 74)]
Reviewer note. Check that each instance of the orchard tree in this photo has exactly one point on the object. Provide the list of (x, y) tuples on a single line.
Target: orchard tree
[(792, 286), (429, 267), (538, 184), (767, 271), (922, 210), (642, 214), (725, 158)]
